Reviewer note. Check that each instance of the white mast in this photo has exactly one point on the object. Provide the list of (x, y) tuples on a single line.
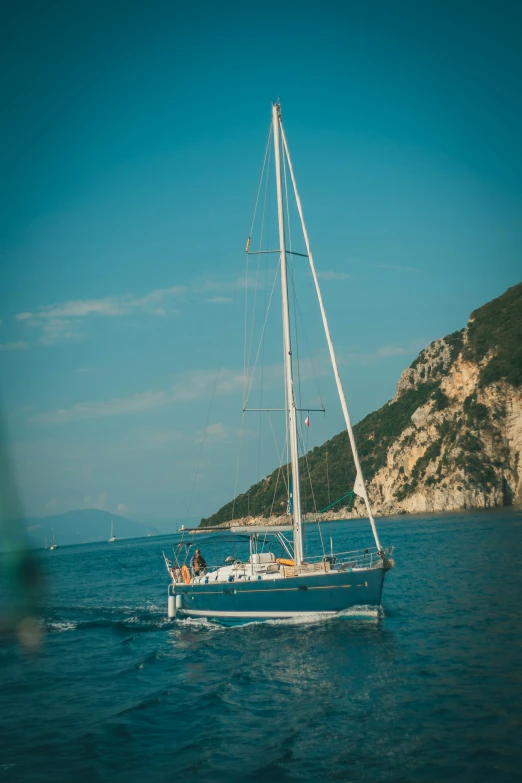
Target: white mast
[(360, 487), (287, 347)]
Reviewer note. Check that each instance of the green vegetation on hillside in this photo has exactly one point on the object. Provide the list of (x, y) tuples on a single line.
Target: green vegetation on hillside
[(330, 466), (497, 327), (455, 341)]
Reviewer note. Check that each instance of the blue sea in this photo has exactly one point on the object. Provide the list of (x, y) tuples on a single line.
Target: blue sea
[(429, 691)]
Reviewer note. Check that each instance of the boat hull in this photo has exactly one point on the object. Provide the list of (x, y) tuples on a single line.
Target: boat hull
[(239, 602)]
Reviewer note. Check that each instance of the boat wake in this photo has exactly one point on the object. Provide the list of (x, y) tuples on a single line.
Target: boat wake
[(353, 613), (60, 627), (137, 623), (198, 623), (362, 612)]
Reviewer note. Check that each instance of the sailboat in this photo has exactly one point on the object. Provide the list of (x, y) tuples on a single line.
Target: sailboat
[(113, 537), (265, 586), (54, 545)]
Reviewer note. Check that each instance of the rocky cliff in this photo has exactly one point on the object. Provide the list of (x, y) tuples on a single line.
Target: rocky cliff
[(451, 438)]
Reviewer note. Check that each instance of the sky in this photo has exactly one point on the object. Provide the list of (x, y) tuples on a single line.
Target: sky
[(132, 140)]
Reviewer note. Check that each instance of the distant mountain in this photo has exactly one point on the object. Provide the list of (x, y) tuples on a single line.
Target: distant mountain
[(451, 438), (83, 526)]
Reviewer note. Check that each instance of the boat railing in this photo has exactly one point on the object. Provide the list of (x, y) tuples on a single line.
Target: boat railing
[(355, 558), (338, 561)]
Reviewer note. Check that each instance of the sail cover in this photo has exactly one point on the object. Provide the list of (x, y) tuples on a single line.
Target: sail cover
[(359, 486)]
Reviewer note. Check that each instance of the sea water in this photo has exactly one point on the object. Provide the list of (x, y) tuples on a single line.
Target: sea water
[(429, 689)]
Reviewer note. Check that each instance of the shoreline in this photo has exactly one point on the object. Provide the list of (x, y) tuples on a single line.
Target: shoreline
[(344, 515)]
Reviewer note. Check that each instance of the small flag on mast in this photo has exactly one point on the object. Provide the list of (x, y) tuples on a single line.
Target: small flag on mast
[(307, 421)]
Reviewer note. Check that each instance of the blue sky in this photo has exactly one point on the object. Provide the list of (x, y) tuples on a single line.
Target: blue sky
[(130, 160)]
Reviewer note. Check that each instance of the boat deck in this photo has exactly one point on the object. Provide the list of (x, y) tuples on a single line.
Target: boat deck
[(266, 567)]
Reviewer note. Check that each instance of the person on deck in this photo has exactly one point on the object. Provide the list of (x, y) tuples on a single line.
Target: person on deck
[(198, 563)]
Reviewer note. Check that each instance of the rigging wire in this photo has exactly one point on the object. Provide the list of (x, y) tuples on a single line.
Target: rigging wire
[(262, 377), (252, 321), (262, 336), (313, 499), (261, 236), (296, 311), (268, 144), (225, 340), (290, 266), (280, 471), (246, 362), (237, 464), (326, 459), (267, 150)]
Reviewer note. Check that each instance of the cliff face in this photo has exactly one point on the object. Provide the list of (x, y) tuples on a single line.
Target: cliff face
[(463, 448), (450, 439)]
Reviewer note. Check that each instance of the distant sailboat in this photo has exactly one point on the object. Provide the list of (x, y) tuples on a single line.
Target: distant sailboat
[(113, 537), (54, 545)]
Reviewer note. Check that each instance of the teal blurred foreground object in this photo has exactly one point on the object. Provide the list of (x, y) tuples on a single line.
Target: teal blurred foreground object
[(20, 575), (279, 579)]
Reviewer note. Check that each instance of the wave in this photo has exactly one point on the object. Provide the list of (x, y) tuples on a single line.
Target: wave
[(197, 623), (60, 627), (136, 623), (105, 609), (151, 619)]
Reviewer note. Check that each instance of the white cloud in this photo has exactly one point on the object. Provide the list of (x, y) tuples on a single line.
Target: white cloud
[(384, 352), (102, 499), (192, 385), (99, 502), (216, 432), (121, 508), (56, 329), (50, 507), (216, 285), (94, 410), (157, 440), (391, 350), (14, 346), (65, 321), (199, 384), (216, 429), (329, 275), (59, 322)]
